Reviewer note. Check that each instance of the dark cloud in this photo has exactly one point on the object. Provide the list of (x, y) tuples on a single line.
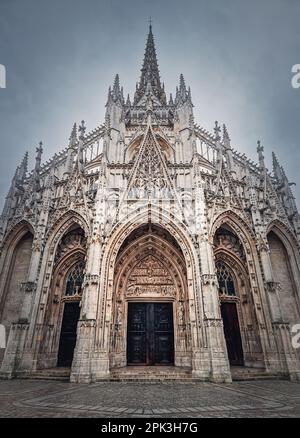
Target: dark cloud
[(62, 55)]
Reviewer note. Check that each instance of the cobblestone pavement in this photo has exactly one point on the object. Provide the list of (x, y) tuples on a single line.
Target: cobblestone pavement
[(41, 398)]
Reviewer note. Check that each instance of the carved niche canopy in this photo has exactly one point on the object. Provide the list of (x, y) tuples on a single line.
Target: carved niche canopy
[(149, 278)]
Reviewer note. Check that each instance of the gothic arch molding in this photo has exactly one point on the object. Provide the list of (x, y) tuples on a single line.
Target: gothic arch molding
[(108, 264), (63, 223), (166, 282), (285, 235), (12, 239), (15, 233), (238, 225)]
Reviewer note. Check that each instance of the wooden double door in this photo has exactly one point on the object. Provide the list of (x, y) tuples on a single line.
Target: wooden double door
[(150, 334)]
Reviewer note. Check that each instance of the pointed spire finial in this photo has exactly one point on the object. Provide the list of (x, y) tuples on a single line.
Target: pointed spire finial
[(73, 136), (261, 158), (217, 130), (22, 169), (182, 86), (150, 73), (81, 130), (38, 158), (226, 137), (276, 168), (260, 148), (276, 165), (116, 92), (116, 86), (39, 149), (182, 93)]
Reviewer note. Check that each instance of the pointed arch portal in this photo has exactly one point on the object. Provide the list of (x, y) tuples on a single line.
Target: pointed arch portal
[(236, 298), (150, 303)]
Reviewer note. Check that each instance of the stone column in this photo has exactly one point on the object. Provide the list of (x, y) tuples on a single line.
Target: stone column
[(87, 362), (213, 323), (213, 332), (270, 285)]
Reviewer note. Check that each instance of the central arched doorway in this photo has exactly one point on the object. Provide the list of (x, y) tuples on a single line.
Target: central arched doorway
[(150, 305)]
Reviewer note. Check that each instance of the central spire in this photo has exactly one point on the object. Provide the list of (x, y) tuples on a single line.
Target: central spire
[(150, 79)]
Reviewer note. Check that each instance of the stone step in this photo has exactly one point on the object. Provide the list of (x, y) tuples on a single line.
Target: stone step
[(45, 377), (258, 377), (151, 373), (149, 377), (62, 374), (247, 373)]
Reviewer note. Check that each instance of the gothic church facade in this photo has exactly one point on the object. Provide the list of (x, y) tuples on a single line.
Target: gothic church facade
[(149, 242)]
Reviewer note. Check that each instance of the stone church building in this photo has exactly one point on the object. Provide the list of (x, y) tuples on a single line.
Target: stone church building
[(149, 242)]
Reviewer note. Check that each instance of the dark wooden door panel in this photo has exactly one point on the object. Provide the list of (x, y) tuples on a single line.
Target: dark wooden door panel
[(68, 334), (232, 333), (150, 337), (163, 333), (164, 349)]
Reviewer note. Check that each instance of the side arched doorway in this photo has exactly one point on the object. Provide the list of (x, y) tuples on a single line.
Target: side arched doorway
[(240, 324), (150, 306), (64, 300), (230, 314), (71, 312)]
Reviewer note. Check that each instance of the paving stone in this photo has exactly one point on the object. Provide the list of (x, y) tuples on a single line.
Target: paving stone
[(30, 398)]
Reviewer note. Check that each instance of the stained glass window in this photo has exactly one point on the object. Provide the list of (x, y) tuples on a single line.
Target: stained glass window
[(75, 280), (226, 283)]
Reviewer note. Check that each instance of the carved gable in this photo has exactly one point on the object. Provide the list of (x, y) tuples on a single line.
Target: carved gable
[(150, 176), (150, 278)]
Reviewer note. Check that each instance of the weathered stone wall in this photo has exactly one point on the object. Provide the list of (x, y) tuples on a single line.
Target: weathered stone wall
[(13, 293), (282, 275)]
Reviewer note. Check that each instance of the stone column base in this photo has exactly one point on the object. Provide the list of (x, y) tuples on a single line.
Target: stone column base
[(14, 350), (290, 365), (88, 365), (220, 368)]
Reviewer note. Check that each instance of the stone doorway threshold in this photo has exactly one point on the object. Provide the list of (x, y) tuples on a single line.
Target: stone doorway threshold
[(151, 373)]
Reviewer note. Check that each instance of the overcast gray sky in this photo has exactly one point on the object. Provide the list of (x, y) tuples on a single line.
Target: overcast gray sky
[(62, 55)]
